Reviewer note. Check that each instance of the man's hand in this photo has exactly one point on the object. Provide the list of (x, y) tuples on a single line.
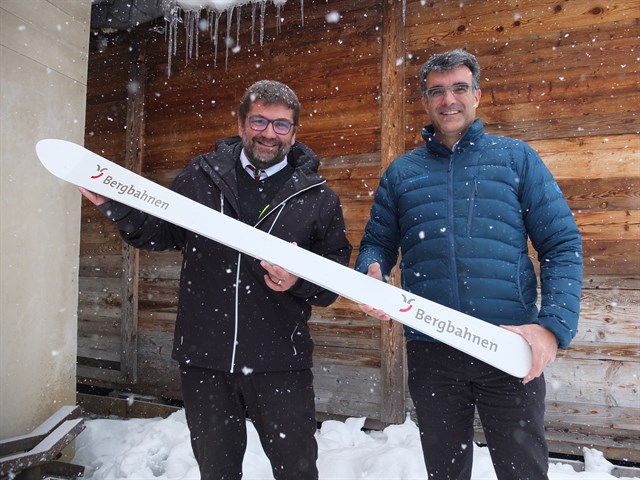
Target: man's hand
[(277, 278), (544, 347), (374, 271), (94, 198)]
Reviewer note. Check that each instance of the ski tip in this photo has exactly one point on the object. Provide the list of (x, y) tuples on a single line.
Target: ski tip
[(44, 150), (55, 154), (48, 144)]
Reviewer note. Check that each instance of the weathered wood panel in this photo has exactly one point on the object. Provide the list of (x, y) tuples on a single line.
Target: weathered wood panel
[(340, 389), (596, 381), (340, 112), (561, 75), (550, 70)]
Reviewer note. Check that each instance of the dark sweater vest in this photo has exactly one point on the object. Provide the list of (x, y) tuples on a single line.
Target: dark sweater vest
[(254, 196)]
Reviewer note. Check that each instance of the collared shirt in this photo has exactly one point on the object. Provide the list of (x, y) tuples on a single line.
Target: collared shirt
[(272, 170)]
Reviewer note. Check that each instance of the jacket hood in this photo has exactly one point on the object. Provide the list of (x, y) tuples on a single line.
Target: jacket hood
[(299, 156), (220, 165)]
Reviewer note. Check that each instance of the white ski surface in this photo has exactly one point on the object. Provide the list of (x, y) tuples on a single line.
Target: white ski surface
[(494, 345)]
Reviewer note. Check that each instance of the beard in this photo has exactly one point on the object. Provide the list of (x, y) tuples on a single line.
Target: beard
[(264, 153)]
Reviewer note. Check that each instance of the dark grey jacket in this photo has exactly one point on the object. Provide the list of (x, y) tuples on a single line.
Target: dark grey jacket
[(228, 319)]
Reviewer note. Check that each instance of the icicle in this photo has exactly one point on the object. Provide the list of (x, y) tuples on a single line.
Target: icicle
[(187, 25), (253, 22), (174, 16), (210, 24), (279, 8), (228, 41), (176, 20), (190, 11), (302, 13), (191, 19), (404, 13), (210, 16), (169, 27), (215, 39), (263, 5), (238, 15), (196, 32)]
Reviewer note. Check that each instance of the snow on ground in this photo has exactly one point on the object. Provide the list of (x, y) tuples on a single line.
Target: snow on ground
[(159, 449)]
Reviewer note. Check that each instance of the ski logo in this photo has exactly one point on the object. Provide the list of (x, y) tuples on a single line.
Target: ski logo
[(408, 302), (447, 327), (130, 189), (100, 172)]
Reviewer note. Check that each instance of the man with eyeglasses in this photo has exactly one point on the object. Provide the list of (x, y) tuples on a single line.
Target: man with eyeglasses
[(461, 209), (241, 334)]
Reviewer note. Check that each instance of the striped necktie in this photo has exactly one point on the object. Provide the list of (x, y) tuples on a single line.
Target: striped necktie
[(255, 172)]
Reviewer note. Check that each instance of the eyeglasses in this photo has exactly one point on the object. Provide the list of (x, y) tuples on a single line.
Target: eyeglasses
[(458, 90), (259, 124)]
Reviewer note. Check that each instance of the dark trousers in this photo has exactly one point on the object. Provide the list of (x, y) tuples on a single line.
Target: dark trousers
[(446, 386), (281, 407)]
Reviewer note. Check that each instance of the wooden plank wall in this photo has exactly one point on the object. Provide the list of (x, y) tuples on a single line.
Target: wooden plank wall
[(562, 75)]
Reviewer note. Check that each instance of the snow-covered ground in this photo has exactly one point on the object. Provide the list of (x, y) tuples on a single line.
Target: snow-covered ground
[(159, 449)]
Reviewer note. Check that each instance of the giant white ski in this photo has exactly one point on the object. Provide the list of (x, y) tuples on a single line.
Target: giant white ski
[(494, 345)]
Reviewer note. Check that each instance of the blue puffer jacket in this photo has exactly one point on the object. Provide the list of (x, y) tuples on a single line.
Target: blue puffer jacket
[(461, 219)]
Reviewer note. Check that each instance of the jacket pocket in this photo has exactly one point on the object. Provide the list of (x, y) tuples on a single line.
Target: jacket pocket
[(527, 281)]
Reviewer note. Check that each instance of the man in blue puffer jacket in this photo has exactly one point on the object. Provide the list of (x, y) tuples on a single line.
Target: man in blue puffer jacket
[(461, 209)]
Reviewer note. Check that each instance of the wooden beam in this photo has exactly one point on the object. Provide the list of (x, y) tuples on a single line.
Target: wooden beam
[(131, 255), (33, 455), (22, 443), (392, 118)]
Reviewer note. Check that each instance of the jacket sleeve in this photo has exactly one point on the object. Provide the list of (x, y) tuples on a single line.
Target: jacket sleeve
[(557, 241), (332, 244), (141, 230), (381, 240)]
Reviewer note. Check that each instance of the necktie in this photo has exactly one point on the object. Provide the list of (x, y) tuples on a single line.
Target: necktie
[(255, 172)]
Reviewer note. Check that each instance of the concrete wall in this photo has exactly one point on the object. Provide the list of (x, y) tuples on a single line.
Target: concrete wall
[(43, 71)]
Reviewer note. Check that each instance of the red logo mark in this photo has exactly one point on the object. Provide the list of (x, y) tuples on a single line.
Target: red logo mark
[(408, 302), (100, 172)]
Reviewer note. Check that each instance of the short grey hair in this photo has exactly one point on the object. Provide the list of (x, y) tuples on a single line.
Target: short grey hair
[(270, 92), (443, 62)]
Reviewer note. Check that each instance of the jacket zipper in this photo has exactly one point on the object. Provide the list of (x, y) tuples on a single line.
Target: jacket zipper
[(283, 202), (235, 319), (280, 208), (453, 270), (472, 204)]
